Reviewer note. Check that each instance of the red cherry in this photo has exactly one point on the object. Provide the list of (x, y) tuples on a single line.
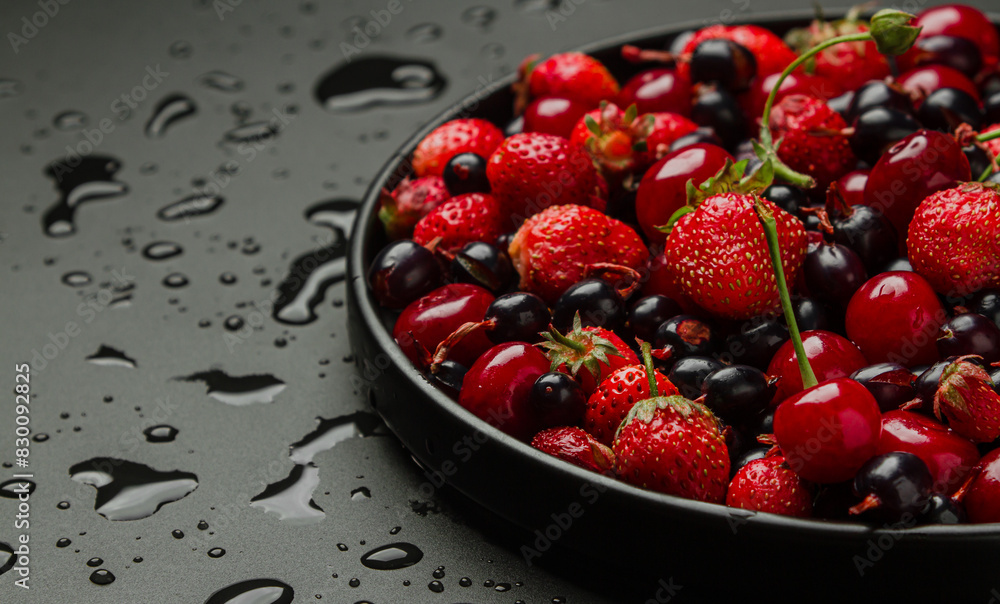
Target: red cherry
[(962, 22), (894, 318), (658, 90), (663, 190), (497, 388), (828, 431), (982, 497), (831, 356), (948, 456), (922, 163), (433, 317), (796, 83), (554, 115), (852, 186), (922, 81)]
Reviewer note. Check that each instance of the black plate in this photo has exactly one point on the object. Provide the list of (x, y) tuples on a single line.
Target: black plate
[(683, 542)]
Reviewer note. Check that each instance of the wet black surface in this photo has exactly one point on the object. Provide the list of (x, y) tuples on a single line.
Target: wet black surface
[(177, 188)]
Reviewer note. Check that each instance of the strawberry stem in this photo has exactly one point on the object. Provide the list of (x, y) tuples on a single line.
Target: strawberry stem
[(988, 136), (767, 221), (647, 361), (568, 342)]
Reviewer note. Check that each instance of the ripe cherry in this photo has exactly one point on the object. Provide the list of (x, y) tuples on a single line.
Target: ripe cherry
[(663, 189), (948, 456), (907, 314), (554, 115), (982, 497), (656, 90), (922, 81), (797, 82), (426, 322), (964, 22), (830, 355), (700, 135), (951, 51), (970, 333), (896, 486), (402, 272), (497, 388), (852, 186)]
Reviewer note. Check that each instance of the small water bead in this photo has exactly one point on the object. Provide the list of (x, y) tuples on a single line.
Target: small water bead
[(465, 582), (180, 49), (177, 533), (502, 587), (216, 552), (95, 562), (161, 250), (436, 586), (395, 530), (342, 547), (64, 542), (40, 437), (224, 82), (233, 323), (63, 505), (69, 120), (202, 525), (424, 33), (102, 577), (488, 583), (281, 343), (354, 582), (204, 323), (137, 559), (227, 278), (175, 280)]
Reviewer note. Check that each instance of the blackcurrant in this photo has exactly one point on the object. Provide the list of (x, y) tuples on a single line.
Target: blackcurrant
[(717, 109), (787, 197), (877, 129), (877, 93), (482, 264), (725, 62), (558, 399), (833, 272), (686, 335), (756, 342), (951, 51), (868, 233), (737, 392), (402, 272), (746, 457), (689, 373), (941, 509), (890, 383), (701, 135), (517, 317), (599, 305), (947, 108), (466, 173), (448, 376), (895, 486), (970, 333), (987, 303), (646, 315)]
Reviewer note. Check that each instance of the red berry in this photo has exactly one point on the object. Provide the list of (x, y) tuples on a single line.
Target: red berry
[(656, 90), (963, 22), (572, 75), (554, 115), (433, 317), (769, 50), (948, 456), (797, 82), (461, 220), (812, 141), (922, 81), (982, 497), (852, 186), (769, 485), (615, 396), (497, 387), (965, 396), (401, 209), (577, 447), (471, 135), (587, 353), (830, 355)]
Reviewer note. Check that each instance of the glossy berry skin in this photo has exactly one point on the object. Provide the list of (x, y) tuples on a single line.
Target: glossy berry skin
[(497, 388), (830, 355), (769, 50), (435, 316), (461, 220), (573, 75), (941, 509), (648, 312), (890, 383), (558, 399), (717, 109), (402, 272), (869, 234), (987, 303), (688, 374), (796, 119), (877, 93), (725, 62), (597, 302), (615, 396), (482, 264), (701, 135), (656, 90), (828, 431), (686, 335), (797, 82), (411, 200), (756, 343), (787, 197), (833, 272), (768, 485), (948, 456), (575, 446), (957, 53), (982, 498), (662, 191), (852, 187), (896, 484), (517, 317), (466, 173), (737, 392), (964, 22), (922, 81), (746, 457), (447, 376), (947, 108), (554, 115), (472, 135), (970, 333), (926, 385), (907, 313), (879, 128)]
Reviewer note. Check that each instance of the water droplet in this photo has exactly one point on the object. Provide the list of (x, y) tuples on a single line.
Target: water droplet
[(479, 16), (160, 434), (371, 81), (342, 547), (238, 390), (94, 562), (536, 6), (291, 498), (254, 591), (227, 278), (354, 582), (40, 437), (488, 583), (465, 582), (87, 179), (424, 33), (180, 49), (69, 120), (216, 552), (175, 280), (111, 357), (438, 573), (361, 493), (331, 432), (241, 110), (251, 133), (337, 214), (64, 542), (502, 587), (161, 250), (137, 559), (10, 88), (77, 279), (148, 168), (202, 525), (129, 491), (280, 342), (393, 556), (422, 508), (233, 323), (102, 577), (199, 204), (221, 81), (63, 505), (177, 534), (435, 586), (168, 111)]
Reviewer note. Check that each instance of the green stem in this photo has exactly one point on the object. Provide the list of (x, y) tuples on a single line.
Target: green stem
[(571, 343), (986, 174), (790, 176), (767, 221), (647, 361), (988, 136)]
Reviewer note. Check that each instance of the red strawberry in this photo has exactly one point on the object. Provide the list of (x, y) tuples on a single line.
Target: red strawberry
[(577, 447), (769, 485), (616, 395), (954, 239), (819, 87), (470, 135), (851, 64), (770, 51), (721, 259), (571, 75), (992, 145), (672, 445), (595, 349), (965, 396), (408, 203), (812, 141), (463, 219), (555, 248), (532, 171)]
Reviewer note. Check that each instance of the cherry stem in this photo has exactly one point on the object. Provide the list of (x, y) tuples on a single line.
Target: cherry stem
[(988, 136), (647, 361), (623, 274), (767, 221), (444, 348)]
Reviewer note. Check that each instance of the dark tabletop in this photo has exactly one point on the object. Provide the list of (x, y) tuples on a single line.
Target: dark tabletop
[(106, 109)]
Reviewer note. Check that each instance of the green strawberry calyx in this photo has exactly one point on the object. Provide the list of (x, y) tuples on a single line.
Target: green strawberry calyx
[(957, 386), (578, 348)]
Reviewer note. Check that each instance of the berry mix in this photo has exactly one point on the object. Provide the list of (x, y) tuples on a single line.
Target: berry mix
[(763, 272)]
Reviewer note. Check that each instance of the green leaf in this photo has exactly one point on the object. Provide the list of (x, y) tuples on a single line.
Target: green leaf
[(631, 113), (760, 179), (892, 31), (592, 125), (666, 228)]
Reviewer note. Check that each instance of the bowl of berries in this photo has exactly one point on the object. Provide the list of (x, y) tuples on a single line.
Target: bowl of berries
[(710, 302)]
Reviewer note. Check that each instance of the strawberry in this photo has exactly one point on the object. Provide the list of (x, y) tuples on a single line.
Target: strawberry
[(770, 51), (851, 64), (571, 75), (672, 445), (721, 259), (557, 247), (992, 145), (965, 396), (614, 397), (954, 239), (577, 447), (812, 138), (470, 135), (769, 485), (460, 220), (595, 349), (532, 171), (401, 209)]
